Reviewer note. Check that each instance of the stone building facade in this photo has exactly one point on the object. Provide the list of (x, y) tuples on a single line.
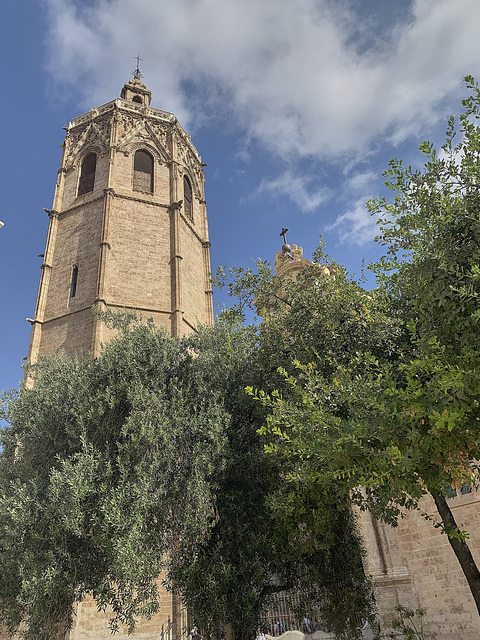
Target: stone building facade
[(128, 231), (128, 227)]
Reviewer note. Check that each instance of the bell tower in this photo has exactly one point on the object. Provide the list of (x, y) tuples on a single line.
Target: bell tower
[(128, 227)]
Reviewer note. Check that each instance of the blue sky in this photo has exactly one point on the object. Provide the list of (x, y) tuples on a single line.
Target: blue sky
[(296, 106)]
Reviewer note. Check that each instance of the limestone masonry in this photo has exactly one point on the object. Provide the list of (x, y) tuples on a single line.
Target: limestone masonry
[(128, 227)]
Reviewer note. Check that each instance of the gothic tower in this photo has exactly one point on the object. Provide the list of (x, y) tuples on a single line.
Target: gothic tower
[(128, 227)]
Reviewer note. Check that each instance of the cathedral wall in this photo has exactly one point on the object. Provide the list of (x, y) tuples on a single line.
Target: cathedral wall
[(439, 584), (138, 265), (193, 279), (76, 243), (91, 624), (72, 333)]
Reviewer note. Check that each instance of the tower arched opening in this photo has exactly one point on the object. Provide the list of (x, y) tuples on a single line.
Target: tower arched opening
[(143, 171)]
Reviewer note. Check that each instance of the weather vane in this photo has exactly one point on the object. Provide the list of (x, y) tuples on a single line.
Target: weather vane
[(136, 73)]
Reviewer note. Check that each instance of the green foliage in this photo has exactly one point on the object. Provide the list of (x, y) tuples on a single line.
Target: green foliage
[(409, 623), (255, 551), (380, 389), (314, 317), (372, 397), (106, 478), (148, 458), (430, 273)]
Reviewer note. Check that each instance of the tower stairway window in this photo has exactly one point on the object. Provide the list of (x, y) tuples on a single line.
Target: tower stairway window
[(87, 174), (143, 172), (73, 284), (187, 195)]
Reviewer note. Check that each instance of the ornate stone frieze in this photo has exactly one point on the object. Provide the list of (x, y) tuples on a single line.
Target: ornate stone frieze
[(135, 133), (94, 135)]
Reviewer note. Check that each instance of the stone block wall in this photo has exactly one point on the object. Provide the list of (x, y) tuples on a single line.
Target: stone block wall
[(439, 585)]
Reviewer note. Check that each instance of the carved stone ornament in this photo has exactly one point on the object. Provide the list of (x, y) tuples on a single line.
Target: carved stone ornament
[(176, 206), (142, 133), (181, 148), (297, 252), (125, 123), (93, 135), (161, 133)]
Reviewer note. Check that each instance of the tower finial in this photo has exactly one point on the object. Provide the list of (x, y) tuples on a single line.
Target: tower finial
[(136, 73), (286, 249)]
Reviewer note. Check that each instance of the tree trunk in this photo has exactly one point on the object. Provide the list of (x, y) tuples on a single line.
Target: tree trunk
[(460, 548)]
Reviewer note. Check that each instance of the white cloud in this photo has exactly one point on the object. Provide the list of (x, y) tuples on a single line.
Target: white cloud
[(359, 182), (296, 76), (355, 227), (309, 79), (298, 189)]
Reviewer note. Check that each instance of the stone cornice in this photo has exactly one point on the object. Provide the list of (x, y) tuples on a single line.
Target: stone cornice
[(122, 105), (84, 202), (112, 193), (89, 307), (140, 309), (122, 196)]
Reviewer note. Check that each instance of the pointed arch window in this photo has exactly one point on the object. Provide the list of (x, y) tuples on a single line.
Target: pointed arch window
[(143, 171), (187, 197), (87, 174)]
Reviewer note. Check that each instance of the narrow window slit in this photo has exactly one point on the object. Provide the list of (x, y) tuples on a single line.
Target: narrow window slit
[(73, 284), (188, 199)]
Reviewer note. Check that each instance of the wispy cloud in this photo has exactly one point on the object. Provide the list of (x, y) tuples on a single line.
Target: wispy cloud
[(360, 182), (301, 190), (356, 226), (304, 78)]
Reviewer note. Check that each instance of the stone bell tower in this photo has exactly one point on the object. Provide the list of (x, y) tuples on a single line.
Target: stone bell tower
[(128, 227)]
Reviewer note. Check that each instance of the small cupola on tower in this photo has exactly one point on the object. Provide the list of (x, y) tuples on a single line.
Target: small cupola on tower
[(135, 90)]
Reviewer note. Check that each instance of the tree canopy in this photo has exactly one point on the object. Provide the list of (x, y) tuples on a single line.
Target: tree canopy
[(382, 387), (106, 476), (147, 459)]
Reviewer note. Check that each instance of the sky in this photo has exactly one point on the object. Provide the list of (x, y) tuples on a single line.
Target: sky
[(296, 106)]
